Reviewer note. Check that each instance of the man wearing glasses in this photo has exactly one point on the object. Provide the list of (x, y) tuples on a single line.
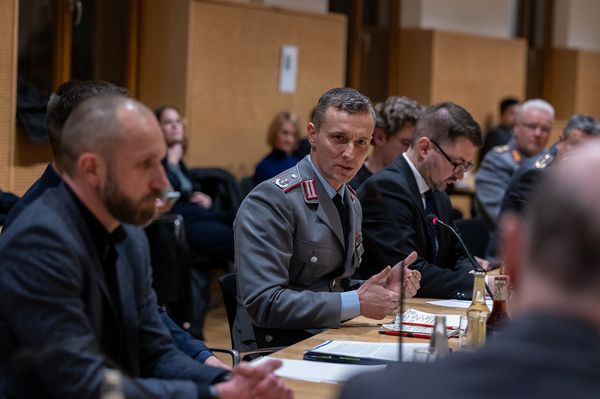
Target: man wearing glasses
[(397, 200), (532, 130)]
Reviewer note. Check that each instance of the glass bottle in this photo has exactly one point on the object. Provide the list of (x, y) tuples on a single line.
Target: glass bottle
[(499, 316), (477, 314), (439, 337)]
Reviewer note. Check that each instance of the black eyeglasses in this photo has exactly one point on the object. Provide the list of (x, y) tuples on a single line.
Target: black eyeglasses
[(458, 166)]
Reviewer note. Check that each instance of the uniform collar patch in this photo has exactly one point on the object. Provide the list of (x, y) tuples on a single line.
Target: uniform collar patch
[(310, 190)]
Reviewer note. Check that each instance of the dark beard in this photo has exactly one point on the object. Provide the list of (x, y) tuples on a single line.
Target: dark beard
[(123, 208)]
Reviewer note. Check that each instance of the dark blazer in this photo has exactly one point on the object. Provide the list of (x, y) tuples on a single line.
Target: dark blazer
[(48, 179), (540, 356), (184, 341), (394, 224), (56, 305)]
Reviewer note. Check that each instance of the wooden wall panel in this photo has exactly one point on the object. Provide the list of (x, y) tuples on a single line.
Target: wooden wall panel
[(163, 52), (588, 84), (233, 76), (29, 162), (476, 72), (572, 83), (414, 74), (560, 81), (473, 71), (8, 77)]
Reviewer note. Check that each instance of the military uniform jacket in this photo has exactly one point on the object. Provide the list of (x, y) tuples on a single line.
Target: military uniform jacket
[(525, 181), (291, 256)]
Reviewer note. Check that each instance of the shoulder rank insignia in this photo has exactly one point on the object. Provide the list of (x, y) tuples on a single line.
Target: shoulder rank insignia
[(288, 180), (516, 156), (501, 148), (544, 161), (310, 191)]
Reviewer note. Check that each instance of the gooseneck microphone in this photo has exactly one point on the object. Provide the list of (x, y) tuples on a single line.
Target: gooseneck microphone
[(431, 218)]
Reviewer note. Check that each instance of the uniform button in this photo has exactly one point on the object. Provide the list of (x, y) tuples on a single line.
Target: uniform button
[(268, 338), (313, 259), (294, 176)]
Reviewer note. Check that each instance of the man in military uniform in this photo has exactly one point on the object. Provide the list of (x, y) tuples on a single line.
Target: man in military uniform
[(532, 130), (298, 238), (579, 130)]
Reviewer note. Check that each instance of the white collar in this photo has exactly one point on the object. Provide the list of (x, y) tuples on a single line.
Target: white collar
[(421, 183)]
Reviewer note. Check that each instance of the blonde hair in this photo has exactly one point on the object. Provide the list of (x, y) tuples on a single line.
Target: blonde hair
[(276, 124)]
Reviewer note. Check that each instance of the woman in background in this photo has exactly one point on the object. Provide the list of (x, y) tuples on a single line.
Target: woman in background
[(283, 139), (208, 231)]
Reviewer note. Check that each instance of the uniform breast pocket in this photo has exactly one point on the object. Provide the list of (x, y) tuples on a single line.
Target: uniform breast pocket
[(310, 262)]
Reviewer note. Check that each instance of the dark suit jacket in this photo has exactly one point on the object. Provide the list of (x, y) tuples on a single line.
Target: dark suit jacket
[(48, 179), (184, 341), (52, 316), (540, 356), (394, 224)]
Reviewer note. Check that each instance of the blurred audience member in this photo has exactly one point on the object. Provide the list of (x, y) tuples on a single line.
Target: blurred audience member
[(532, 130), (208, 231), (395, 123), (283, 139), (501, 134)]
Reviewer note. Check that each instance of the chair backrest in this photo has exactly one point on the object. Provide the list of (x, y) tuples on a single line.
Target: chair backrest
[(246, 185), (228, 284), (475, 233), (220, 185)]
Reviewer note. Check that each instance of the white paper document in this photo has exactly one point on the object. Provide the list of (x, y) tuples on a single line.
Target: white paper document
[(457, 303), (348, 351), (331, 373)]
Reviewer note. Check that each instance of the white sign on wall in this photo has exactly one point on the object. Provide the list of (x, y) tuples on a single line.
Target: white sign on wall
[(288, 69)]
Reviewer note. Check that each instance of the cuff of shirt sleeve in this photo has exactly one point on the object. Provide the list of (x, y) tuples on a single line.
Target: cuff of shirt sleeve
[(203, 355), (350, 305)]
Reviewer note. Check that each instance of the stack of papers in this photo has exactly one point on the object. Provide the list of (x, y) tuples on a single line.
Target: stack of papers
[(362, 353), (419, 324)]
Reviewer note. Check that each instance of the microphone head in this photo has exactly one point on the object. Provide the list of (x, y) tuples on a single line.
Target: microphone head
[(431, 218)]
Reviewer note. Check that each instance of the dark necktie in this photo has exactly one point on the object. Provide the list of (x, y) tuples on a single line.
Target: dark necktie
[(430, 208), (339, 204)]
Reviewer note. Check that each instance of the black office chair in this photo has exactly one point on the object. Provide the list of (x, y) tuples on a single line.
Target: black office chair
[(475, 233), (246, 185), (228, 284)]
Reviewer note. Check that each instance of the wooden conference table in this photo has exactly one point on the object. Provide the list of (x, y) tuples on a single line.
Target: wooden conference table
[(358, 329)]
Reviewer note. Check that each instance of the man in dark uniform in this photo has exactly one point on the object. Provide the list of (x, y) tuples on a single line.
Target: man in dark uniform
[(532, 130), (578, 130), (298, 237), (551, 349)]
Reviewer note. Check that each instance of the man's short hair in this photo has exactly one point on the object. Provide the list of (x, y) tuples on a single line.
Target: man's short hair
[(277, 122), (563, 223), (506, 103), (536, 103), (399, 112), (94, 125), (445, 122), (585, 123), (66, 97), (342, 99)]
